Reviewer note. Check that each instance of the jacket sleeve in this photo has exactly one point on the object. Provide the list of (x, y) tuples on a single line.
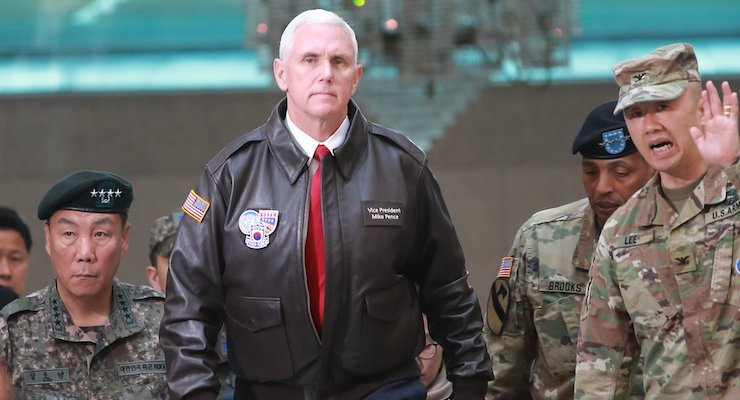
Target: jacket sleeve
[(606, 343), (5, 381), (511, 350), (450, 303), (193, 313)]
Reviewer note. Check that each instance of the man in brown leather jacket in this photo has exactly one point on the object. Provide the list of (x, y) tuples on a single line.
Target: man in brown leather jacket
[(351, 327)]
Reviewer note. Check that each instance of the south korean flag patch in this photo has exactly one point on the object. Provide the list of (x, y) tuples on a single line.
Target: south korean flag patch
[(257, 227)]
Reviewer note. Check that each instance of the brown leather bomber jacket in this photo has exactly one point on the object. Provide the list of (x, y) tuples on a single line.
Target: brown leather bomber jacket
[(391, 253)]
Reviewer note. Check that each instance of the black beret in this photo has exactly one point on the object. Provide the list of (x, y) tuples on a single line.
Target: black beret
[(89, 191), (603, 134)]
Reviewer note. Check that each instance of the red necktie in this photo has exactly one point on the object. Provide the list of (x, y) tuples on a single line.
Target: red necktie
[(315, 258)]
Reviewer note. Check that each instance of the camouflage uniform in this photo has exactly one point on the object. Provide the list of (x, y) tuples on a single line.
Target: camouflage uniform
[(667, 285), (48, 357), (535, 354)]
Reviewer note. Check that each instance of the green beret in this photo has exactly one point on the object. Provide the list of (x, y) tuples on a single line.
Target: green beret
[(89, 191)]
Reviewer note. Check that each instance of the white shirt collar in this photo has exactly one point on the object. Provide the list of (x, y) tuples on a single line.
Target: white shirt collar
[(309, 144)]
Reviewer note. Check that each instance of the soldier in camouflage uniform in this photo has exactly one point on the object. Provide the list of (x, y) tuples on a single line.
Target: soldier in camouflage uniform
[(665, 281), (161, 242), (87, 335), (532, 340)]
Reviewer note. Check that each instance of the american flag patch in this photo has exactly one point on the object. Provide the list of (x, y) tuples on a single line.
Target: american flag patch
[(505, 270), (195, 206)]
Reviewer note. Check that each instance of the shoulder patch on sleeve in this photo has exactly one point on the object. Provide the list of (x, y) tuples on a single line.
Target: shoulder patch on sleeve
[(22, 304), (504, 270), (497, 309), (195, 206)]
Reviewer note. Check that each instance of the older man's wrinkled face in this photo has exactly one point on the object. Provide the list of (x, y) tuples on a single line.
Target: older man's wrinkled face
[(319, 74), (85, 251)]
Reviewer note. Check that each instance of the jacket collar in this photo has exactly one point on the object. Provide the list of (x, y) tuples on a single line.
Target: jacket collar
[(658, 211), (586, 241), (289, 155), (121, 320)]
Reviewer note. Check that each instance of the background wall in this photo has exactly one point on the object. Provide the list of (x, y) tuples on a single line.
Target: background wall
[(507, 156)]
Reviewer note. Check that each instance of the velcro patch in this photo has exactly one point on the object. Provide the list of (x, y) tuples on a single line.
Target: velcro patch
[(383, 213), (555, 286), (497, 310), (504, 270), (684, 260), (722, 212), (42, 376), (142, 367), (636, 239), (195, 206)]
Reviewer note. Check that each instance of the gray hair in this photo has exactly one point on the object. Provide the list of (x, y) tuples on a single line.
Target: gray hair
[(315, 16)]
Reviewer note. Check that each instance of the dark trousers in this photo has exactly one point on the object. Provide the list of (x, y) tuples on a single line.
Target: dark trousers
[(407, 389)]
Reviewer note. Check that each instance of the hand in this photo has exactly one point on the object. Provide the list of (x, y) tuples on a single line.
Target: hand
[(5, 389), (718, 142)]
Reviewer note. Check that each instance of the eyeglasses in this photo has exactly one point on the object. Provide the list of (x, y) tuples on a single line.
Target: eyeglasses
[(428, 352)]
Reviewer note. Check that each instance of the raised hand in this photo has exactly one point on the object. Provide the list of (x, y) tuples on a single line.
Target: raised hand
[(718, 141)]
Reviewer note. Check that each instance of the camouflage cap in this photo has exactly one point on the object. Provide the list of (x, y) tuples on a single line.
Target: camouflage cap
[(663, 74), (88, 191), (162, 236)]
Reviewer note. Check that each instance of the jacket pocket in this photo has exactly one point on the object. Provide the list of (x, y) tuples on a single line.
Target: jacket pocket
[(257, 341), (725, 285), (721, 323), (390, 329), (557, 331)]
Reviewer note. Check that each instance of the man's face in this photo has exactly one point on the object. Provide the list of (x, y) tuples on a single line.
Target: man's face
[(319, 74), (13, 260), (660, 131), (609, 183), (85, 250)]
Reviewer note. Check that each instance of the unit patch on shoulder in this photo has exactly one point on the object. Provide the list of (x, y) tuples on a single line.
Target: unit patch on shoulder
[(195, 206), (497, 310)]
